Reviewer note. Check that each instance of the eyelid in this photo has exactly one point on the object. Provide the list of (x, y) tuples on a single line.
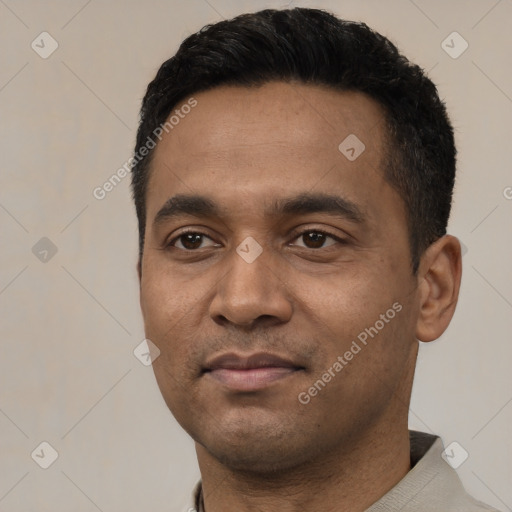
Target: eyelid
[(196, 231), (295, 234), (301, 231)]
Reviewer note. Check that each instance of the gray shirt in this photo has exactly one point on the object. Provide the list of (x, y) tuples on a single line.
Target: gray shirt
[(431, 485)]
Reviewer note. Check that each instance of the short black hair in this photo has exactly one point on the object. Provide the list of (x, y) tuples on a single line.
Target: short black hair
[(313, 46)]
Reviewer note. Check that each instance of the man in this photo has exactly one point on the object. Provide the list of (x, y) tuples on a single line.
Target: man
[(293, 250)]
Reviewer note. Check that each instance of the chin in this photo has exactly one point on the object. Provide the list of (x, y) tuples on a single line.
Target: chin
[(255, 459), (258, 449)]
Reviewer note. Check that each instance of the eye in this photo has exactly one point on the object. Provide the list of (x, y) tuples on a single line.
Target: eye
[(190, 240), (315, 239), (311, 238)]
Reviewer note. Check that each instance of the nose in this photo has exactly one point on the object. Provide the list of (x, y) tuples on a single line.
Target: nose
[(251, 294)]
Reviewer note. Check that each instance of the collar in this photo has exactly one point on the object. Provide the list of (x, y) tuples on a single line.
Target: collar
[(431, 484)]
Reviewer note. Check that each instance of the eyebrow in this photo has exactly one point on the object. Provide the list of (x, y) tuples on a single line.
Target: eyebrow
[(302, 204)]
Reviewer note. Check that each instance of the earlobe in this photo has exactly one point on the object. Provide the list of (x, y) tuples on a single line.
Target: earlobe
[(439, 283)]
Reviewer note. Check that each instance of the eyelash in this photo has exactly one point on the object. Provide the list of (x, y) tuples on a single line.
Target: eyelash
[(295, 236)]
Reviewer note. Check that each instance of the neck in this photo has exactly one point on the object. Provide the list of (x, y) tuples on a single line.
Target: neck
[(349, 478)]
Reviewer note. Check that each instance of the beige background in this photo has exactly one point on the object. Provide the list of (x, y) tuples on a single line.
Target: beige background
[(69, 325)]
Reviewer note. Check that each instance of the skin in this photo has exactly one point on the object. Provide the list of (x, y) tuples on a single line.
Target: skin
[(244, 149)]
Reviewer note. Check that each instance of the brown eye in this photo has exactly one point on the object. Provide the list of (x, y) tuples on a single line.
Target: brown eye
[(190, 241), (314, 239)]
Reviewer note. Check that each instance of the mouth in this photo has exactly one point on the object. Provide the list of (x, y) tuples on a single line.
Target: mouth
[(250, 373)]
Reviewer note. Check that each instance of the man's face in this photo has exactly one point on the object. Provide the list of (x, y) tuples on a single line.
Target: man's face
[(323, 276)]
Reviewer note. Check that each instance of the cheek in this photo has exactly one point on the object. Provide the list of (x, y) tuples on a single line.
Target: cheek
[(168, 325), (351, 297), (165, 298), (169, 319), (365, 315)]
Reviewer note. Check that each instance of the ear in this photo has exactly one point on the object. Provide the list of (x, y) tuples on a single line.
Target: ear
[(439, 276)]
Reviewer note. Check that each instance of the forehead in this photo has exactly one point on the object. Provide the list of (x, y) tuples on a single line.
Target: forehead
[(274, 140), (314, 117)]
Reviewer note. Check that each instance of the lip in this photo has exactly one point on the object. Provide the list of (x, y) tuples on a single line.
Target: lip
[(250, 373)]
